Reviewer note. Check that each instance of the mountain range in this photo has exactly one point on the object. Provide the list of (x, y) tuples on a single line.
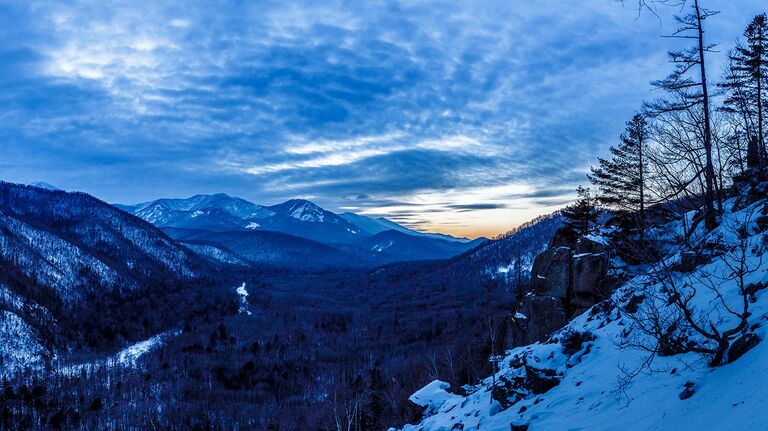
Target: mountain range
[(296, 233)]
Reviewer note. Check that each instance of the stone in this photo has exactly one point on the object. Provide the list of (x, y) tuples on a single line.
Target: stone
[(688, 391), (586, 245), (412, 412), (634, 303), (539, 381), (573, 340), (507, 392), (587, 273), (513, 331), (742, 345), (688, 262)]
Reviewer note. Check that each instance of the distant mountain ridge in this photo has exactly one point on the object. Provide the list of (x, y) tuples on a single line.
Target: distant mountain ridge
[(168, 212), (380, 224), (214, 217)]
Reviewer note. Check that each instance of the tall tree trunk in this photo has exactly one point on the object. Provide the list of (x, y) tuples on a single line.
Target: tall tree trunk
[(761, 136), (642, 188), (709, 171)]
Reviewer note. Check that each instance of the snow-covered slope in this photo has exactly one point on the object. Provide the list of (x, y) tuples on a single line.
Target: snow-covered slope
[(20, 344), (72, 242), (597, 374), (218, 212), (61, 251), (236, 206), (44, 185), (411, 247), (306, 211)]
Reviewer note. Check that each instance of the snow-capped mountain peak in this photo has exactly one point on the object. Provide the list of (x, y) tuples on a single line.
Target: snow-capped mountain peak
[(303, 210), (44, 185)]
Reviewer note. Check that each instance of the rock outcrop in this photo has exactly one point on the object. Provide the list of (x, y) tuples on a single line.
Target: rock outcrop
[(567, 279)]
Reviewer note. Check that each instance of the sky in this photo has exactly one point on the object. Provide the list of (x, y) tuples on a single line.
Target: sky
[(467, 117)]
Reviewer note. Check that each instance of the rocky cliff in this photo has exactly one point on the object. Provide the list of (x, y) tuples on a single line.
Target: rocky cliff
[(567, 279)]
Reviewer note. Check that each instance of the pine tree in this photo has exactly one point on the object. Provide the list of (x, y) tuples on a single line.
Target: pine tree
[(753, 59), (738, 102), (621, 179), (580, 216)]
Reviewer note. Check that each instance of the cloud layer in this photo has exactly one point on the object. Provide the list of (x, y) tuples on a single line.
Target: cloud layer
[(467, 118)]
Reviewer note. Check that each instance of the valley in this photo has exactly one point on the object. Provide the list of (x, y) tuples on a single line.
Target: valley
[(307, 338)]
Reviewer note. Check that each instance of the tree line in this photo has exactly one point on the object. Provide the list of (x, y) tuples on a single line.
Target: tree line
[(683, 150), (698, 145)]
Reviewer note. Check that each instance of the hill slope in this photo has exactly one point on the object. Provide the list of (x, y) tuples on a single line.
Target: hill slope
[(62, 253), (596, 373)]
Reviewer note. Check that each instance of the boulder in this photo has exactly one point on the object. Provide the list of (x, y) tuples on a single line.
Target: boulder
[(566, 282), (412, 412), (742, 345), (689, 260), (587, 245), (513, 330), (539, 381), (688, 390), (507, 392)]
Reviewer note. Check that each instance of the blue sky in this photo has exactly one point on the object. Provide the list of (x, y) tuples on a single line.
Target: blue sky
[(461, 117)]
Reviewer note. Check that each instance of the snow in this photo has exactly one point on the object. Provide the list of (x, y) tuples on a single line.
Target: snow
[(589, 397), (505, 269), (307, 211), (127, 357), (243, 294), (252, 225), (20, 345), (432, 396), (600, 239), (132, 353), (44, 185), (379, 247)]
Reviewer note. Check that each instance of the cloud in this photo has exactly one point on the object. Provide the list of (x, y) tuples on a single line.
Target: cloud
[(408, 103), (473, 207)]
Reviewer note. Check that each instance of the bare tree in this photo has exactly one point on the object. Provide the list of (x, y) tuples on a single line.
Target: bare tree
[(688, 88), (692, 312)]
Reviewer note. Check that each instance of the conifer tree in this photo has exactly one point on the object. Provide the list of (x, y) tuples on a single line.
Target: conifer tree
[(753, 60), (621, 179), (580, 216)]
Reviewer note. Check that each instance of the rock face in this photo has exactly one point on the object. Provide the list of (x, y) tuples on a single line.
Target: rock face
[(567, 280), (551, 272), (547, 314)]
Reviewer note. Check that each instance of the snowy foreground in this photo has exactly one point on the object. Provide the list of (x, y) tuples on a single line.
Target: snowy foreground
[(673, 393)]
